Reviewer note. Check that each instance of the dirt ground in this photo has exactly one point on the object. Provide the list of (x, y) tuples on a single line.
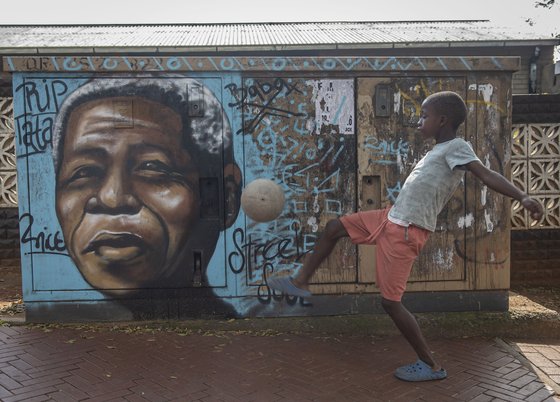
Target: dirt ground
[(10, 289), (535, 297), (532, 299), (10, 284)]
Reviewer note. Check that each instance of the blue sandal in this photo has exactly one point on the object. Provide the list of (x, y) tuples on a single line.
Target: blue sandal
[(285, 285), (419, 371)]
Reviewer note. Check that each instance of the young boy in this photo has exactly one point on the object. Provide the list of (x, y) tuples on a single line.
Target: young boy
[(400, 232)]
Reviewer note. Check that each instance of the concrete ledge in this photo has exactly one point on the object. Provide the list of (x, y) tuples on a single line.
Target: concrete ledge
[(188, 306)]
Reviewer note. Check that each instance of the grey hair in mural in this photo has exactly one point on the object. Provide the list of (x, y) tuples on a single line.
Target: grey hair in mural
[(144, 168), (207, 128)]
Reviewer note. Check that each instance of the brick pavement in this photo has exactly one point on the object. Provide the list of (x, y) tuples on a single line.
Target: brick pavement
[(543, 357), (80, 363)]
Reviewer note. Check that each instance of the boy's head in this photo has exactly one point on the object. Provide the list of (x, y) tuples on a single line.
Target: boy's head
[(449, 104)]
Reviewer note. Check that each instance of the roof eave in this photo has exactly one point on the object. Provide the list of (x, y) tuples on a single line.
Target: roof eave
[(104, 50)]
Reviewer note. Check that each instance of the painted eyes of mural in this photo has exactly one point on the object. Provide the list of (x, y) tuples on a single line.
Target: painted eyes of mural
[(85, 172), (154, 166), (159, 170), (154, 170)]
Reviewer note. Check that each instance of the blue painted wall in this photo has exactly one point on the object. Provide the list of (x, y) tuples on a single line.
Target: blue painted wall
[(299, 133)]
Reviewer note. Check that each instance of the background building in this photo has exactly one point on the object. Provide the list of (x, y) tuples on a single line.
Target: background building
[(328, 111)]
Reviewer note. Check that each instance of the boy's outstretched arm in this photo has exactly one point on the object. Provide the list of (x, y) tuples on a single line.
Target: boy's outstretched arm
[(499, 183)]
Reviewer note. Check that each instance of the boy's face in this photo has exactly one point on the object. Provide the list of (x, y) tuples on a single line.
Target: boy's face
[(429, 123), (126, 192)]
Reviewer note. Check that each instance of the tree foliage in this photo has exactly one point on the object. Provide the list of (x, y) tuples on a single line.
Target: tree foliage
[(545, 3)]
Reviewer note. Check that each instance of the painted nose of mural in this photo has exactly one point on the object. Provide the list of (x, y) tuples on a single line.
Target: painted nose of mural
[(262, 200)]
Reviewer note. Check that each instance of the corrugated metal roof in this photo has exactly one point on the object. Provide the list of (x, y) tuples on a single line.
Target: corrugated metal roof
[(256, 35)]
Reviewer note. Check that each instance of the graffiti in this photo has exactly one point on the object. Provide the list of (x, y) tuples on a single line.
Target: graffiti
[(41, 102), (303, 181), (463, 255), (393, 192), (260, 97), (126, 194), (43, 242), (35, 133), (253, 255), (127, 200), (267, 296), (249, 254), (42, 97), (313, 155), (295, 64), (390, 152), (296, 149)]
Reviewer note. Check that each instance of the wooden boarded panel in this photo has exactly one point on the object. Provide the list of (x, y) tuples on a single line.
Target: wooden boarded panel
[(389, 147), (300, 132), (492, 99)]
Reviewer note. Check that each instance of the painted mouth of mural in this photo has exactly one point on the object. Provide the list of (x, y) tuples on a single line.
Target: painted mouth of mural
[(116, 246)]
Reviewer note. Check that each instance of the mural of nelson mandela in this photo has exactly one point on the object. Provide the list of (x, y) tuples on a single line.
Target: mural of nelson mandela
[(131, 155)]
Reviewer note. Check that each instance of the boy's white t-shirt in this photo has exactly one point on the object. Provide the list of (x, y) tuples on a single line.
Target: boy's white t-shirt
[(431, 184)]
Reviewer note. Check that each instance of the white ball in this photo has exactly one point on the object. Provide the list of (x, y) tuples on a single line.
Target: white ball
[(262, 200)]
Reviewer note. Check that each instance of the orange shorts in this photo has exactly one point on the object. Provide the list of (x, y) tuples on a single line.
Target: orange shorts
[(397, 247)]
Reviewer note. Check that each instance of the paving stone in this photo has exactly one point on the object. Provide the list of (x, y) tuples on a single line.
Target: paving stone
[(70, 363)]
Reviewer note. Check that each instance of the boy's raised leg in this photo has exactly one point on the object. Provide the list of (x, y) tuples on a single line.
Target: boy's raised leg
[(334, 230)]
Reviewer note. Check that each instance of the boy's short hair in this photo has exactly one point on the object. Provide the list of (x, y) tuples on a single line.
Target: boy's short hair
[(450, 104)]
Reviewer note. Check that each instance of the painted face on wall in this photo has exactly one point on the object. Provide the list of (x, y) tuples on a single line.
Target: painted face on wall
[(126, 192)]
